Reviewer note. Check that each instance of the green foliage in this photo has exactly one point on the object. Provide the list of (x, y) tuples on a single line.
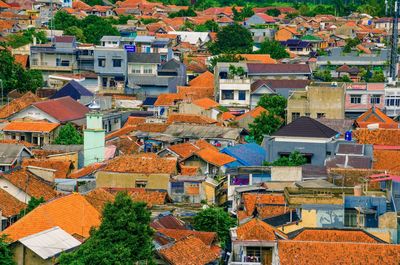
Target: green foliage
[(311, 11), (183, 13), (273, 12), (246, 12), (295, 159), (6, 257), (274, 49), (94, 2), (236, 71), (19, 40), (187, 26), (68, 135), (32, 204), (377, 76), (14, 76), (345, 78), (233, 39), (351, 43), (264, 124), (323, 75), (92, 28), (275, 104), (124, 236), (204, 4), (222, 108), (321, 52), (122, 20), (217, 220), (77, 32), (146, 21), (224, 58), (209, 25)]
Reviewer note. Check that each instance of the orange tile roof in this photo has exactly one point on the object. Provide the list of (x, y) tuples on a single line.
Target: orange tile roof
[(98, 198), (21, 59), (189, 170), (316, 253), (203, 144), (150, 197), (207, 237), (86, 170), (184, 149), (9, 205), (18, 104), (80, 5), (193, 92), (127, 129), (378, 136), (259, 58), (62, 168), (167, 99), (30, 184), (268, 205), (189, 251), (72, 213), (253, 113), (206, 79), (335, 235), (227, 116), (127, 145), (214, 157), (134, 121), (25, 126), (13, 141), (148, 163), (256, 229), (189, 118), (386, 160), (206, 103), (375, 115), (4, 5)]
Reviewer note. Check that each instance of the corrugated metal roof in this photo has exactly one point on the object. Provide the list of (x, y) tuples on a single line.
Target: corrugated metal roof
[(50, 243)]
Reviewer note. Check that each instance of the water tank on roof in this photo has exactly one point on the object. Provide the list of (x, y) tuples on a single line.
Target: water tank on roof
[(348, 136)]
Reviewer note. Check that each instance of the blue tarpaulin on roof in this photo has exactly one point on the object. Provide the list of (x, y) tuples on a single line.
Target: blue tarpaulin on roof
[(250, 154)]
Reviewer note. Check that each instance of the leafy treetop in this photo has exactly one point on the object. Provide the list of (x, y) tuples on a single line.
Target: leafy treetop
[(295, 159), (6, 257), (274, 49), (233, 39), (68, 135)]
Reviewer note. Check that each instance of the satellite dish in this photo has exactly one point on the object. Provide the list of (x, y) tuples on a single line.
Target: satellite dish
[(94, 106)]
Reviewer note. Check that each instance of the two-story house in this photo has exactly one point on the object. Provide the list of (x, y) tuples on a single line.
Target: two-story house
[(57, 56)]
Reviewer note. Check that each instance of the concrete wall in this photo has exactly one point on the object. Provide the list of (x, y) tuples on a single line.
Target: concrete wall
[(73, 157), (127, 180), (24, 256), (286, 174), (34, 114)]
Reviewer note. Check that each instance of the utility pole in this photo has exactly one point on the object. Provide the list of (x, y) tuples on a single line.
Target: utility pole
[(394, 58)]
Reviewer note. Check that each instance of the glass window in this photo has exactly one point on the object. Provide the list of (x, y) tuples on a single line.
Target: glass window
[(375, 99), (355, 99), (135, 69), (101, 62), (147, 69), (242, 95), (320, 115), (177, 187), (140, 183), (117, 62), (350, 218), (227, 94), (295, 115)]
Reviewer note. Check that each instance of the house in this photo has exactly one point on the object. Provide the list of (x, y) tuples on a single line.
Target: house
[(318, 100), (74, 90), (298, 47), (209, 161), (194, 38), (247, 118), (44, 247), (59, 110), (59, 56), (12, 155), (351, 155), (257, 71), (184, 150), (36, 132), (72, 213), (254, 242), (190, 119), (350, 72), (137, 171), (374, 117), (360, 97), (167, 104), (10, 208), (306, 135), (18, 104), (250, 154), (204, 106), (286, 33), (259, 19), (192, 189)]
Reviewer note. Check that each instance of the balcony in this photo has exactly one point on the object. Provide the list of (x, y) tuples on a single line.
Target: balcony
[(244, 260), (45, 67), (234, 81)]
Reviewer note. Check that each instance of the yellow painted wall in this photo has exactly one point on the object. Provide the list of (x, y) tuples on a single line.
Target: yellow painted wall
[(209, 191), (24, 256), (127, 180)]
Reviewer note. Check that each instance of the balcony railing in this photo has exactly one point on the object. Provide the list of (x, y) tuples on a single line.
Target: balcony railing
[(244, 260), (45, 67), (234, 81)]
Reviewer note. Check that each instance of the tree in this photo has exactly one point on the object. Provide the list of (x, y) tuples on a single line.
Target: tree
[(93, 2), (146, 21), (27, 36), (233, 39), (215, 219), (323, 75), (345, 78), (62, 20), (68, 135), (273, 12), (77, 32), (295, 159), (274, 49), (264, 124), (209, 25), (377, 76), (183, 13), (275, 104), (32, 204), (351, 43), (224, 58), (95, 28), (6, 257), (14, 76), (204, 4), (124, 236)]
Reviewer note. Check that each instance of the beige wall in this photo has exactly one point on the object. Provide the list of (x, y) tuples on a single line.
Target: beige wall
[(24, 256), (209, 191), (286, 174), (317, 99), (127, 180), (244, 122)]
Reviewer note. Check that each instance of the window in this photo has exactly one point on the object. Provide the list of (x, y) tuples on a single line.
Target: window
[(22, 137), (375, 99), (350, 218), (177, 187), (117, 62), (147, 69), (392, 101), (140, 183), (64, 63), (295, 115), (101, 62), (227, 94), (135, 69), (242, 95), (355, 99), (320, 115), (307, 114)]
